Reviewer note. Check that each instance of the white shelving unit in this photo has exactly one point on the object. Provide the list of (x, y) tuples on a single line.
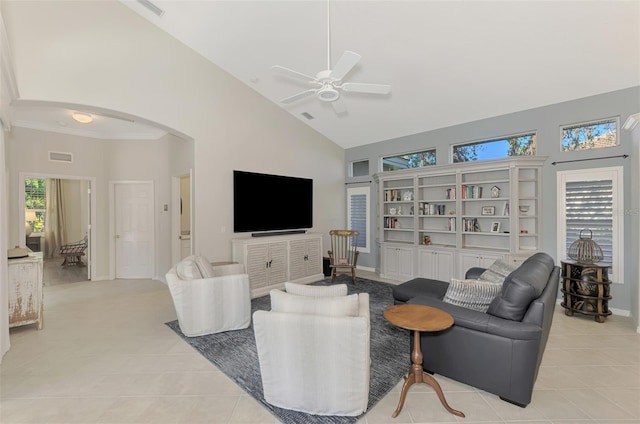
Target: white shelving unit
[(468, 211)]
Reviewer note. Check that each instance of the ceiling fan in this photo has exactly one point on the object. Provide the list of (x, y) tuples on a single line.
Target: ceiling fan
[(329, 82)]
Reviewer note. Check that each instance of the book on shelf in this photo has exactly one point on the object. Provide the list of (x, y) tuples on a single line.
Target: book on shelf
[(505, 212), (470, 225), (432, 208), (472, 191), (450, 193), (451, 224)]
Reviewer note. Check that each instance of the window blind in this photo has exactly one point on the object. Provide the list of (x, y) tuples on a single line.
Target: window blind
[(589, 205), (358, 217)]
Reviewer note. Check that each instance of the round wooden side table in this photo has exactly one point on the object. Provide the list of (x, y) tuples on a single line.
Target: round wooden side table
[(419, 318)]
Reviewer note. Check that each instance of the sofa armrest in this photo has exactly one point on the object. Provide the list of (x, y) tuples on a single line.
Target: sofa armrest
[(483, 322), (474, 273)]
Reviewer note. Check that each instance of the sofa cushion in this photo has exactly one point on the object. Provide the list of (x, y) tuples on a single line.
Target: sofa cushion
[(521, 287), (498, 271), (472, 294), (316, 291), (419, 287), (328, 306)]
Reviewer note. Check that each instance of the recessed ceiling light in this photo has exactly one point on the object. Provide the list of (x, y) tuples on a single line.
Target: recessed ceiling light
[(83, 118)]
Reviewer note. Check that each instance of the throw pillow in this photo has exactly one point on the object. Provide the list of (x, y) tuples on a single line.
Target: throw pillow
[(472, 294), (329, 306), (498, 271), (187, 269), (204, 266), (316, 291)]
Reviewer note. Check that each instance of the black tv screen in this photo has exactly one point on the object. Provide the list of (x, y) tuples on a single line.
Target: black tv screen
[(265, 202)]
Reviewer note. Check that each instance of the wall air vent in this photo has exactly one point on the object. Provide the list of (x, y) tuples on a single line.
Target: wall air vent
[(60, 157), (307, 115), (152, 7)]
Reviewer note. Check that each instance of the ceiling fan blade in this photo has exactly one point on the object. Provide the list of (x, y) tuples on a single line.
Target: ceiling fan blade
[(339, 106), (356, 87), (300, 95), (294, 74), (348, 60)]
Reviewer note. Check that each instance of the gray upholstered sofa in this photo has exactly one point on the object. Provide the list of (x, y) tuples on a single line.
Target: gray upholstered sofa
[(498, 351)]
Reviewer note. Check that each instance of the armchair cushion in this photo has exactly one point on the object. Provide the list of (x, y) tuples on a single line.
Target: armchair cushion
[(187, 269), (338, 306), (316, 291), (194, 267), (472, 294)]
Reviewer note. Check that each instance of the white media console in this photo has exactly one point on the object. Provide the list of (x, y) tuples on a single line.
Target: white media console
[(271, 261)]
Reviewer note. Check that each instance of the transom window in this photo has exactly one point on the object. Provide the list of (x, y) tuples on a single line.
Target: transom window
[(359, 168), (590, 135), (515, 145), (409, 160)]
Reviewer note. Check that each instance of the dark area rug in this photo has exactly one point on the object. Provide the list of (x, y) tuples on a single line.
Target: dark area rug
[(234, 352)]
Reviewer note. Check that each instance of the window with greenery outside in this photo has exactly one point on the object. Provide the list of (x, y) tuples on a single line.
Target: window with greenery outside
[(519, 145), (409, 160), (34, 203), (590, 135)]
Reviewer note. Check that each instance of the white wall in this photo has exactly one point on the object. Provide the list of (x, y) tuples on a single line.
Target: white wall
[(103, 54), (104, 160)]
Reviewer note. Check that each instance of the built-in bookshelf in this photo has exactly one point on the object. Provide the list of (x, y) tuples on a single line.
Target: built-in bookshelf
[(489, 206)]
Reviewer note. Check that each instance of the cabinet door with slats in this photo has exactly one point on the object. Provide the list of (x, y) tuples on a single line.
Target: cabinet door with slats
[(257, 265), (297, 259), (277, 263)]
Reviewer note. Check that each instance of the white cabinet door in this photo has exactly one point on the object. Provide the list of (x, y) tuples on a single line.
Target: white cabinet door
[(257, 264), (277, 263), (435, 264), (468, 260), (397, 262), (314, 256), (304, 258)]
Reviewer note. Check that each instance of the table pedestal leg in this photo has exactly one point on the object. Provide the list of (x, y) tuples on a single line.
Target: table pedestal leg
[(417, 375)]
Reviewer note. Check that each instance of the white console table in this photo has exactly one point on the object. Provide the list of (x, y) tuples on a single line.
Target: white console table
[(272, 261), (25, 290)]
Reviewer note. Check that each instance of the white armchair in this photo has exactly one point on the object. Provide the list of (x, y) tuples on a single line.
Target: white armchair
[(209, 299), (314, 353)]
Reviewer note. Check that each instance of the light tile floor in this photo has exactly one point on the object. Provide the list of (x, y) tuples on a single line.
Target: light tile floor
[(105, 356)]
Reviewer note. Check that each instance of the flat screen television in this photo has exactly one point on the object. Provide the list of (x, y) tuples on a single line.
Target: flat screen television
[(271, 203)]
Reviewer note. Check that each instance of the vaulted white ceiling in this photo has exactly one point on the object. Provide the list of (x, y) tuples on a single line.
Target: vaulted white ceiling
[(448, 62)]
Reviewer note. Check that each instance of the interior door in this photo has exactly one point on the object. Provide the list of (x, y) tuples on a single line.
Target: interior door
[(134, 230)]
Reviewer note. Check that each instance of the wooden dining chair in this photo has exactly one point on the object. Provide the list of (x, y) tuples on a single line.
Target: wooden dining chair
[(344, 252)]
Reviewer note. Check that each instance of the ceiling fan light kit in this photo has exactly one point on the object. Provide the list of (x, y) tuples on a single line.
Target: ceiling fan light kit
[(329, 81)]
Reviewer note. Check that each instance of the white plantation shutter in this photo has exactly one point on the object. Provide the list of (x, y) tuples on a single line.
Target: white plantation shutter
[(591, 199), (358, 215), (589, 205)]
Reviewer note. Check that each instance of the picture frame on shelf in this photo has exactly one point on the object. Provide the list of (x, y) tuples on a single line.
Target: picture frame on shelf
[(488, 210), (495, 227)]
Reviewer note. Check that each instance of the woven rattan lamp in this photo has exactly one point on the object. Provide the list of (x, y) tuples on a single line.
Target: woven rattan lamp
[(585, 250)]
